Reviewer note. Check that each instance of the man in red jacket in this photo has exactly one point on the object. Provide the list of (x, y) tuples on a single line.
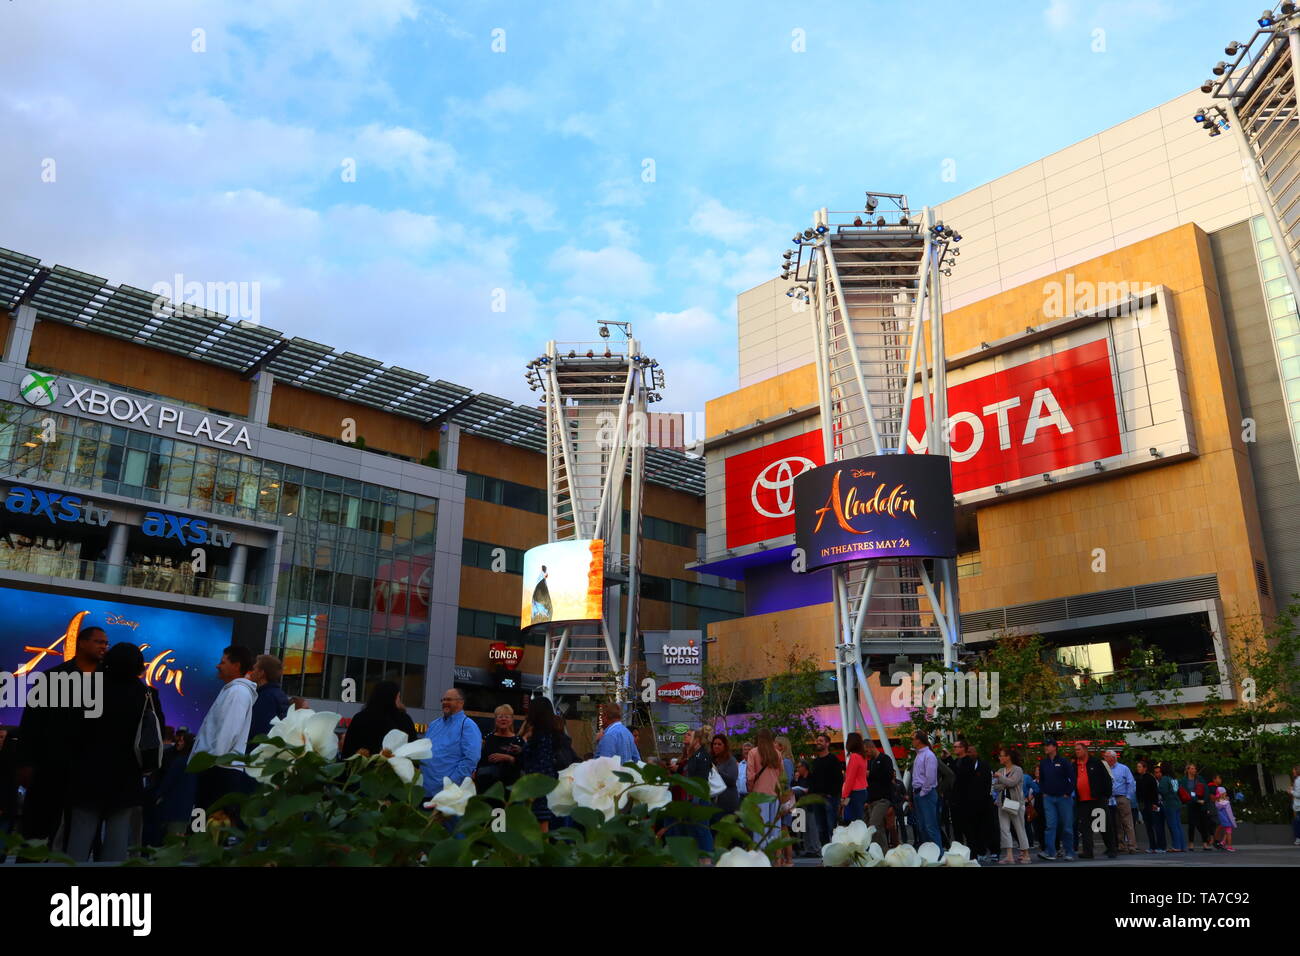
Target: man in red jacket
[(1093, 785)]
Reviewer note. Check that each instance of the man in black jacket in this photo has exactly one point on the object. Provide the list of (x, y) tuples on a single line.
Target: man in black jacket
[(49, 739), (826, 780), (984, 812), (880, 790), (1093, 785), (272, 701), (967, 821)]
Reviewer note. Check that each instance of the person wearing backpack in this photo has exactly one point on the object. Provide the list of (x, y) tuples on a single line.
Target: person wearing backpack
[(118, 748)]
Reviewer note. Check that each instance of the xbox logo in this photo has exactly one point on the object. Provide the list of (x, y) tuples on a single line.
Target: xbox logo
[(38, 389)]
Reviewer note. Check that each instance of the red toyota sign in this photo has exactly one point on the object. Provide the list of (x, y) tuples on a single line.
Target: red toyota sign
[(760, 487), (1045, 414), (683, 691), (499, 652)]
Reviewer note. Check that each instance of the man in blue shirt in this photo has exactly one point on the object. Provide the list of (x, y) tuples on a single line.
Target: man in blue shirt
[(616, 740), (457, 743), (1123, 794), (1056, 777)]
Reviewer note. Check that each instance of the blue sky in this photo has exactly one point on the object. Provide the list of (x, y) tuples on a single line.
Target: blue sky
[(522, 170)]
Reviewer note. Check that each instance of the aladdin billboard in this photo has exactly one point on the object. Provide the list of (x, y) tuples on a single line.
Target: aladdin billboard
[(875, 506), (181, 648), (564, 581)]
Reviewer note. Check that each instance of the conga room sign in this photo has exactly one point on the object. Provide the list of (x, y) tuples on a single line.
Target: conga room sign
[(876, 506)]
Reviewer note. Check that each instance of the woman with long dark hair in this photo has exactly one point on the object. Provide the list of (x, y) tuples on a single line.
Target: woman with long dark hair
[(383, 712), (728, 801), (540, 744), (763, 775), (854, 795)]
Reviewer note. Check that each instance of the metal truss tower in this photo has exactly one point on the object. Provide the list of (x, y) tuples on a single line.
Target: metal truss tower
[(596, 395), (1254, 99), (872, 281)]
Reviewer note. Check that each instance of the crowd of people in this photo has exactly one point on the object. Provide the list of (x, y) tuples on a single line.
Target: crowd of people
[(95, 788)]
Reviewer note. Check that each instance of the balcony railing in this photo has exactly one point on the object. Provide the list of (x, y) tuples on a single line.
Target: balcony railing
[(1140, 680), (174, 580)]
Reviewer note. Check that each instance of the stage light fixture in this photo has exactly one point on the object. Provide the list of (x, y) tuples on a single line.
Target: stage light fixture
[(1266, 19), (1216, 132), (880, 221), (821, 230), (872, 203), (902, 220), (1220, 68), (1155, 452), (857, 221), (1097, 466), (1207, 86), (787, 254), (1288, 9), (808, 233), (1048, 478), (1200, 116), (1232, 48)]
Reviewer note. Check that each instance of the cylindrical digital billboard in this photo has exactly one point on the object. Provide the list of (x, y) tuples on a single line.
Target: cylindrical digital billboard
[(564, 581), (876, 506)]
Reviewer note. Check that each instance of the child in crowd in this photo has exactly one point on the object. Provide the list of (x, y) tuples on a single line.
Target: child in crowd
[(1227, 821)]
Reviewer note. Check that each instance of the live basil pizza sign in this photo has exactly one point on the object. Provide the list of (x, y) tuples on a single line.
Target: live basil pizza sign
[(876, 506)]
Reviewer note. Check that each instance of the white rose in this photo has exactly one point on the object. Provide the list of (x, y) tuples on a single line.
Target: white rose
[(561, 799), (401, 753), (452, 798), (739, 857), (850, 845)]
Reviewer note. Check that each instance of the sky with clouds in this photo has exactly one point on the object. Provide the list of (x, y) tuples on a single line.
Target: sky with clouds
[(504, 146)]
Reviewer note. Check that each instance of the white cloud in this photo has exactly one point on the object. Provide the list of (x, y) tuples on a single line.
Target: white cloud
[(1059, 14), (406, 151), (613, 270), (716, 221)]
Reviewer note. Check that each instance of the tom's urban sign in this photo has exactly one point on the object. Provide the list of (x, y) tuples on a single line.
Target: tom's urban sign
[(873, 507), (69, 396)]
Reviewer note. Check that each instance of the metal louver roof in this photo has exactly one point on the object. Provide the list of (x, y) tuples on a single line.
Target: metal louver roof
[(125, 312)]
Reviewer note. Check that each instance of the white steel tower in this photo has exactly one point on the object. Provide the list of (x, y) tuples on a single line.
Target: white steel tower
[(871, 283), (596, 396), (1254, 99)]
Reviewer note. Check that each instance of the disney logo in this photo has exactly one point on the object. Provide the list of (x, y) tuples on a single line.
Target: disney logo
[(859, 473), (118, 619)]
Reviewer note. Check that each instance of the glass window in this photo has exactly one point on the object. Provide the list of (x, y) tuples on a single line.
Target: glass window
[(134, 471), (351, 508), (329, 508)]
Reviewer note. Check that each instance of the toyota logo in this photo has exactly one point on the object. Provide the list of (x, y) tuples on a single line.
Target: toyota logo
[(778, 479)]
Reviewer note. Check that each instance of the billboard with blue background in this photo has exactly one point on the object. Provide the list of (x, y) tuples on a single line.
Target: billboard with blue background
[(181, 648)]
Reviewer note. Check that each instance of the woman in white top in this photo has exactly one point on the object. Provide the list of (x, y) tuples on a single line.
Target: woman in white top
[(1008, 784)]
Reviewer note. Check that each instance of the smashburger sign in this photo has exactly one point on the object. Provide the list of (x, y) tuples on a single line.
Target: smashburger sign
[(680, 692)]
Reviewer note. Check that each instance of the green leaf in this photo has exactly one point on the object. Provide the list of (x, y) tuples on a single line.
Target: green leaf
[(532, 786), (685, 851), (520, 820)]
